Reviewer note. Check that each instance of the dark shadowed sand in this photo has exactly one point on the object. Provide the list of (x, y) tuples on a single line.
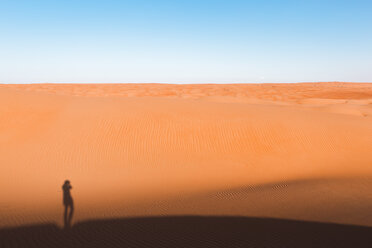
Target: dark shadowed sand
[(190, 231)]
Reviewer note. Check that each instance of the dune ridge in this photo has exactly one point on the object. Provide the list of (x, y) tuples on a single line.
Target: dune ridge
[(296, 151)]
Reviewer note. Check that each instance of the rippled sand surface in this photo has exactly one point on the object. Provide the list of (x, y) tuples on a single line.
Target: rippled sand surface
[(292, 151)]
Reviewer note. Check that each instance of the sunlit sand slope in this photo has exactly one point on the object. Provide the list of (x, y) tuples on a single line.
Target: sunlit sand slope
[(297, 151)]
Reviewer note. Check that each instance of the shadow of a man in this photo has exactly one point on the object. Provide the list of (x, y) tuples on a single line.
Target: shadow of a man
[(68, 203)]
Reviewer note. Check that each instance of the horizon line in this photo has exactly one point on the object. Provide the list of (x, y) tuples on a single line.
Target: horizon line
[(167, 83)]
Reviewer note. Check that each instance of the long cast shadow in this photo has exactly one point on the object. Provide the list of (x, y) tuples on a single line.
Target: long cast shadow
[(190, 231)]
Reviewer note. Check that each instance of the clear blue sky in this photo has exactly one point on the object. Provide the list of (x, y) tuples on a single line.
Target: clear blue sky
[(193, 41)]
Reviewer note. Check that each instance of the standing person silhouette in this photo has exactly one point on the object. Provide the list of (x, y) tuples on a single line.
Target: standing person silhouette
[(68, 203)]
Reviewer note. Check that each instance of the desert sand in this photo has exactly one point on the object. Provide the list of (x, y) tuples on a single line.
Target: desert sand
[(290, 151)]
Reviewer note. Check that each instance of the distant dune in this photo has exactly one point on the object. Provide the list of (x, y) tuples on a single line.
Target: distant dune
[(289, 151)]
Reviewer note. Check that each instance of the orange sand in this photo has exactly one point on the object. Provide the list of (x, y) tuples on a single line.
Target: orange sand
[(297, 151)]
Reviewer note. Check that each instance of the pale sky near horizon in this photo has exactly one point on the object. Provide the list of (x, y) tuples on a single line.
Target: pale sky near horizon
[(194, 41)]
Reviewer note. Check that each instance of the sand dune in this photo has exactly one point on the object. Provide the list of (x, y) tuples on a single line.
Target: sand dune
[(294, 151)]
